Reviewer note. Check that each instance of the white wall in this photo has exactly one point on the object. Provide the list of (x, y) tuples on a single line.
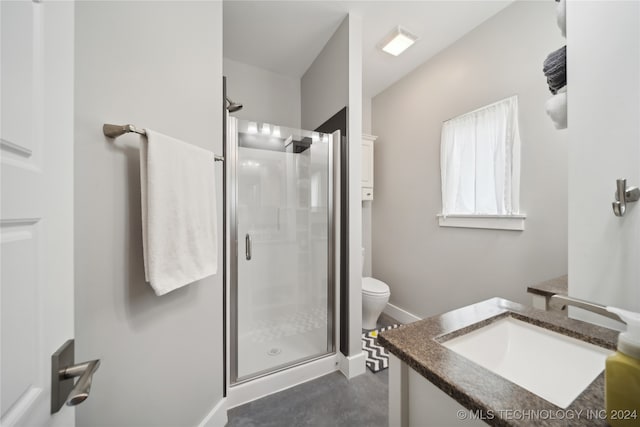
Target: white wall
[(432, 269), (354, 130), (156, 65), (603, 50), (334, 81), (266, 96)]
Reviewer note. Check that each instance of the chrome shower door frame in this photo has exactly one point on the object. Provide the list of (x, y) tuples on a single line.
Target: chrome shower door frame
[(231, 158)]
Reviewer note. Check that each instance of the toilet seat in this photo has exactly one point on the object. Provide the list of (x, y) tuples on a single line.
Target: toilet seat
[(371, 286)]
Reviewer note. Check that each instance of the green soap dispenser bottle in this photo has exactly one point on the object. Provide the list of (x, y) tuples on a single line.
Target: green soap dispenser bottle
[(622, 374)]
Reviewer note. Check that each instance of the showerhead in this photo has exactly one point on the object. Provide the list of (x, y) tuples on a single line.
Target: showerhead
[(232, 107)]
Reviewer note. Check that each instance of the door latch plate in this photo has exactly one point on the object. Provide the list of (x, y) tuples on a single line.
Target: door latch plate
[(60, 388)]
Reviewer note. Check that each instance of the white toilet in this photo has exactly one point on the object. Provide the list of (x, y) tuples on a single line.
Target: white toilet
[(375, 295)]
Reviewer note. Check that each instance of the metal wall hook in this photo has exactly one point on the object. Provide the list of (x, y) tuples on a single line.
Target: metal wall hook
[(624, 195)]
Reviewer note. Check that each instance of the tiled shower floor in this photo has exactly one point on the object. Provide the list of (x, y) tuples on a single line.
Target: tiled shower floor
[(283, 338)]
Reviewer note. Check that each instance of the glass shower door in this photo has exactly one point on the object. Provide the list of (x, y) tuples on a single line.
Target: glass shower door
[(283, 286)]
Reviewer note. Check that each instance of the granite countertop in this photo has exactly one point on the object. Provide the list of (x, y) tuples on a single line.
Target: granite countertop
[(559, 285), (478, 389)]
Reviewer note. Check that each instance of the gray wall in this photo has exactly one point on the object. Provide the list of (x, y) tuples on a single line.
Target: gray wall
[(267, 96), (156, 65), (366, 205), (432, 269), (325, 85), (366, 114), (367, 208)]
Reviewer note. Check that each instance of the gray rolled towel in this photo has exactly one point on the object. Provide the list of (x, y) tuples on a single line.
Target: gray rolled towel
[(555, 68)]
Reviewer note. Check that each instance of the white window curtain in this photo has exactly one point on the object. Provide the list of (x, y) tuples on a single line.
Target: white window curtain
[(480, 161)]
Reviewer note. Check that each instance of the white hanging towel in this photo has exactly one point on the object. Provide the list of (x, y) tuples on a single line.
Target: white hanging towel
[(561, 11), (178, 212), (556, 108)]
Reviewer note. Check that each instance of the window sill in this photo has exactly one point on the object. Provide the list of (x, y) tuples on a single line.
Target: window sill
[(495, 222)]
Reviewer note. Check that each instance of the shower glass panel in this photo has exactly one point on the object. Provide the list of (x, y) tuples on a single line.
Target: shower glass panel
[(283, 287)]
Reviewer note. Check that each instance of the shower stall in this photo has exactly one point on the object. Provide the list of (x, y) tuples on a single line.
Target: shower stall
[(281, 237)]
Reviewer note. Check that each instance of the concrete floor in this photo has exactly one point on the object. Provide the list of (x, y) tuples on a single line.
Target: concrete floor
[(330, 401)]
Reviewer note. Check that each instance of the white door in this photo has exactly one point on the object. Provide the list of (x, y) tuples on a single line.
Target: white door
[(36, 226)]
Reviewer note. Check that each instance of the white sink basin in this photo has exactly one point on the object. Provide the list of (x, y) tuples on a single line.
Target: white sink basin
[(553, 366)]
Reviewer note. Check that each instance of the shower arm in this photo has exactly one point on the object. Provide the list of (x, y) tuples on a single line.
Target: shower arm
[(233, 106)]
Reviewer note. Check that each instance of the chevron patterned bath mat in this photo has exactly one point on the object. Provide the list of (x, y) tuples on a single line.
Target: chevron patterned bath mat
[(377, 356)]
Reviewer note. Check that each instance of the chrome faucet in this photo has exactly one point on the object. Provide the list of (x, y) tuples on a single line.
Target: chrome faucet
[(563, 301)]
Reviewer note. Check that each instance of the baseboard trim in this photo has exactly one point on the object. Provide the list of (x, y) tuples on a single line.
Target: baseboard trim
[(217, 417), (260, 387), (400, 315), (352, 366)]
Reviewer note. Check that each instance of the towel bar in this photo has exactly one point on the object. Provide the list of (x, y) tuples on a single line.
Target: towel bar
[(114, 131)]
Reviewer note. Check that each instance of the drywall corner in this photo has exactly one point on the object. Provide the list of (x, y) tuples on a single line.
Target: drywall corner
[(325, 86), (354, 130)]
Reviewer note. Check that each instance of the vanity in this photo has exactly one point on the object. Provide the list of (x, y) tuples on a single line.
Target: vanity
[(541, 293), (431, 383)]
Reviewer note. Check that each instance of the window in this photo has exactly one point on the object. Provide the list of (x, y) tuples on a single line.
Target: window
[(480, 165)]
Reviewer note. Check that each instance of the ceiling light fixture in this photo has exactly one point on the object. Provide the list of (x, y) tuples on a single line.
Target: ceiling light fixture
[(397, 41)]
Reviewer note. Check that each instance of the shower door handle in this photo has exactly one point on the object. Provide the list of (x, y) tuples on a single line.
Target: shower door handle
[(247, 247)]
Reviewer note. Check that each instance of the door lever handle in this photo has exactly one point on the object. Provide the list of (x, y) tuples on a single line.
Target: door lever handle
[(63, 371), (247, 247), (81, 389)]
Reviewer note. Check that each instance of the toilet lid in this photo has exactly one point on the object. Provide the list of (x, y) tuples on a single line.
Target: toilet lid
[(374, 286)]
